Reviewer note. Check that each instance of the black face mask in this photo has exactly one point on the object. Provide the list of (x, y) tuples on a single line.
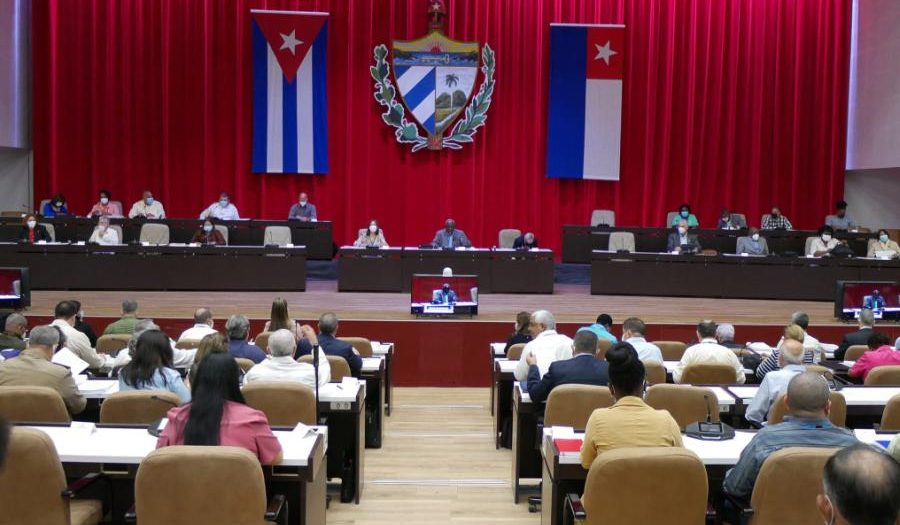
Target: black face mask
[(446, 289)]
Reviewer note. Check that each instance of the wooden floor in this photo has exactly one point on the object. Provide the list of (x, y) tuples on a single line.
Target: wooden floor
[(437, 465), (570, 303)]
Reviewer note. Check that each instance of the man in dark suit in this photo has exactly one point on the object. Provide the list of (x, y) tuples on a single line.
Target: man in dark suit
[(450, 237), (859, 337), (681, 241), (328, 325), (525, 242), (874, 302), (445, 295), (582, 369)]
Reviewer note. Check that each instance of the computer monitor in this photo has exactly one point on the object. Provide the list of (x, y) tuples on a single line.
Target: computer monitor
[(430, 297), (15, 288), (882, 297)]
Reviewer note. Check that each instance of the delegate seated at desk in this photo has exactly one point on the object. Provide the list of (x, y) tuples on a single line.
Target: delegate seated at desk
[(103, 234), (208, 235), (105, 207), (55, 207), (682, 241), (450, 237), (525, 242), (147, 207), (874, 302), (371, 237), (33, 232), (445, 295), (303, 211), (824, 243), (224, 210), (753, 244)]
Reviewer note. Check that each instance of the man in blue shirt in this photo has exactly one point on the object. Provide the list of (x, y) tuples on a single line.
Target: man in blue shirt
[(807, 426), (602, 328), (790, 363), (237, 328)]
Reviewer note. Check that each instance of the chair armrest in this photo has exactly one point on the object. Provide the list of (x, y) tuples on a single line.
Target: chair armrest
[(76, 486), (575, 508), (740, 505), (130, 515), (275, 508), (755, 425)]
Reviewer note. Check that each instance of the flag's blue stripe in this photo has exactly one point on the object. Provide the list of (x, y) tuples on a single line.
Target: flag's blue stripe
[(260, 99), (399, 70), (429, 124), (289, 125), (320, 102), (565, 126), (425, 88)]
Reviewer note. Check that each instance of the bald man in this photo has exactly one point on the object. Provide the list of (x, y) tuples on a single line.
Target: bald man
[(861, 487), (203, 326), (790, 363)]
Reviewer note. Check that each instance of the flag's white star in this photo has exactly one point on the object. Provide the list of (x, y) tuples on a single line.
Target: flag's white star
[(291, 42), (603, 52)]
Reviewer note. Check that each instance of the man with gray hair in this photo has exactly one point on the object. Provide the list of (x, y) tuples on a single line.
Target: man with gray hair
[(725, 336), (546, 345), (181, 358), (860, 337), (790, 363), (330, 344), (33, 368), (14, 332), (282, 367), (203, 326), (125, 324), (238, 328), (807, 426)]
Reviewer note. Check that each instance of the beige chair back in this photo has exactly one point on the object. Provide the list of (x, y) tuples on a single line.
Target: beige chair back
[(50, 229), (655, 373), (137, 407), (621, 241), (687, 404), (620, 480), (670, 217), (824, 371), (572, 405), (854, 352), (787, 486), (603, 346), (890, 418), (244, 363), (808, 244), (340, 368), (362, 345), (837, 415), (32, 404), (112, 343), (708, 374), (188, 344), (182, 484), (118, 229), (12, 213), (221, 228), (515, 352), (154, 233), (285, 404), (599, 217), (884, 375), (739, 219), (262, 340), (280, 235), (32, 483), (507, 236), (671, 350)]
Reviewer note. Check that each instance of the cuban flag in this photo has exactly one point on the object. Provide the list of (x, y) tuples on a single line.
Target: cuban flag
[(290, 125), (585, 103)]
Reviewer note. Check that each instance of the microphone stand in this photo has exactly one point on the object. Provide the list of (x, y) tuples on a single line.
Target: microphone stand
[(315, 351)]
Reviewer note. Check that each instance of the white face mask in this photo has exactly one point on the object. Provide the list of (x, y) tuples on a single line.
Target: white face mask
[(104, 201), (32, 224), (373, 228), (59, 204), (682, 230), (207, 228), (755, 236), (302, 203), (826, 237), (223, 203), (883, 238)]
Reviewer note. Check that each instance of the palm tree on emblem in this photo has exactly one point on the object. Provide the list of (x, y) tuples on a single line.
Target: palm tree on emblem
[(451, 80)]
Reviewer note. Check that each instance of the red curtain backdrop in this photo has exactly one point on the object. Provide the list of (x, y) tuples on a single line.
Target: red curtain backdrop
[(739, 104)]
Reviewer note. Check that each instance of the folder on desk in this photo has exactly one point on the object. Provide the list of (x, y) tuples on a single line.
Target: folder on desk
[(568, 446)]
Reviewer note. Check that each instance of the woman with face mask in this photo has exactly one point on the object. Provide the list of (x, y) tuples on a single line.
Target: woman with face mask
[(56, 206), (882, 244), (106, 207), (824, 243), (371, 237), (33, 232), (208, 235), (684, 214)]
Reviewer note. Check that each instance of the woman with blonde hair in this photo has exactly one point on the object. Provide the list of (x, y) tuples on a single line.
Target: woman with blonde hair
[(280, 319), (794, 332)]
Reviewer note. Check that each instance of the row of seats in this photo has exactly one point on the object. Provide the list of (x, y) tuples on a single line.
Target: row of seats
[(619, 241)]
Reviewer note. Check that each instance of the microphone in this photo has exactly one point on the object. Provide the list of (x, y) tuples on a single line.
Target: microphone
[(315, 351), (708, 411), (708, 430)]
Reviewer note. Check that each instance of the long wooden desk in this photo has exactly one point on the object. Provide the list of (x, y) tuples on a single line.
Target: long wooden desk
[(151, 268), (300, 476), (731, 276), (580, 240), (316, 236), (498, 270)]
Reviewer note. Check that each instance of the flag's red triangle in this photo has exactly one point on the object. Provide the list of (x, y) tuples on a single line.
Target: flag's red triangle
[(286, 32)]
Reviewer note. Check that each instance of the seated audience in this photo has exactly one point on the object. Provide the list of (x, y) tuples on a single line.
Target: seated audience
[(103, 234), (725, 336), (582, 369), (238, 328), (81, 325), (682, 241), (776, 221), (147, 208), (840, 220), (806, 426), (546, 345), (525, 242), (521, 335), (601, 328), (282, 367), (105, 207), (327, 341), (752, 244), (224, 210), (371, 237), (860, 485), (33, 368), (450, 237), (709, 351), (32, 232), (203, 326), (630, 422), (633, 330), (66, 315), (218, 416), (790, 363), (880, 353), (151, 367), (211, 344), (730, 221), (280, 319), (208, 235), (823, 244), (55, 206), (181, 358), (866, 323), (796, 331), (14, 332), (125, 324), (883, 243), (684, 214), (303, 211)]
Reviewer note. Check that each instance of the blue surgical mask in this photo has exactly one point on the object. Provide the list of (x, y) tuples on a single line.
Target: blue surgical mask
[(685, 214), (149, 201), (883, 237), (223, 203), (207, 228)]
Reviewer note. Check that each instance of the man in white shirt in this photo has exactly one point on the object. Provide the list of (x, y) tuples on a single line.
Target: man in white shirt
[(76, 341), (203, 326), (147, 207), (223, 210), (709, 351), (633, 330), (790, 362), (281, 365), (547, 345), (103, 234)]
